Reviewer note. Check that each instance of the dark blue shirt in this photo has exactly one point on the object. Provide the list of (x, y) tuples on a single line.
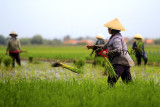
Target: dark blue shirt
[(100, 42), (136, 51)]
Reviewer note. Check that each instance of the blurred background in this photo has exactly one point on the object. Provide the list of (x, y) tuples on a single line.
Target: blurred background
[(74, 22)]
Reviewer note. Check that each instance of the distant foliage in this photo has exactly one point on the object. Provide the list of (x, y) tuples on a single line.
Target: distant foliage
[(157, 41), (25, 41), (37, 39), (2, 40)]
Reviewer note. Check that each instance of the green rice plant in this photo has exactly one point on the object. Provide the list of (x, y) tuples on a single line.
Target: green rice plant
[(74, 69), (99, 61), (89, 58), (77, 93), (79, 63), (7, 61), (109, 67), (36, 62), (30, 58), (72, 52)]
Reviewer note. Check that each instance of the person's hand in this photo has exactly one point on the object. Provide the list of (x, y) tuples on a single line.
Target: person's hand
[(104, 53), (90, 46)]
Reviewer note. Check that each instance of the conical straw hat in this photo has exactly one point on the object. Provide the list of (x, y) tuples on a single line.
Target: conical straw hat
[(13, 33), (100, 36), (138, 36), (115, 24)]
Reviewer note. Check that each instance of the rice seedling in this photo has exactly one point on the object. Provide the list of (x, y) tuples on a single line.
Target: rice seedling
[(7, 61), (79, 63), (30, 58), (74, 69), (109, 67), (99, 61)]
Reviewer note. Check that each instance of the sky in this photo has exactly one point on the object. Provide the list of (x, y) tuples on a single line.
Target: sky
[(78, 18)]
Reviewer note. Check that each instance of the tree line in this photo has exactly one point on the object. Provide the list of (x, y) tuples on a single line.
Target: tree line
[(37, 39)]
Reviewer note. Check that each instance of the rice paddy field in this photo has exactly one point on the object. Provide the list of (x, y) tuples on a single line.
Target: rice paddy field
[(37, 84), (73, 52)]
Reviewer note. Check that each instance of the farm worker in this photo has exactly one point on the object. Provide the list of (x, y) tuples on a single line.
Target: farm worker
[(138, 47), (14, 48), (100, 41), (117, 52)]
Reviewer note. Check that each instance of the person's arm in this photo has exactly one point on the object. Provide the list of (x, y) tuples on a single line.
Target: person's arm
[(117, 47), (134, 45), (94, 46)]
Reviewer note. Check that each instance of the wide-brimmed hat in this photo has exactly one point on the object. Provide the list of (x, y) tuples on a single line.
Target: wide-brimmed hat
[(138, 36), (13, 33), (115, 24), (100, 36)]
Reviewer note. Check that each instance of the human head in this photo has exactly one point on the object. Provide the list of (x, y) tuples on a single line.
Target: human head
[(138, 37), (113, 31), (100, 36), (13, 34)]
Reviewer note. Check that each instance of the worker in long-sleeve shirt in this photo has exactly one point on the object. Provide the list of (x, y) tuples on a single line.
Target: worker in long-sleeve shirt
[(100, 41), (117, 52), (14, 48), (138, 47)]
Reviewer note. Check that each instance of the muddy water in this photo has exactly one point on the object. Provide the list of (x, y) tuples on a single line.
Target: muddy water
[(43, 70)]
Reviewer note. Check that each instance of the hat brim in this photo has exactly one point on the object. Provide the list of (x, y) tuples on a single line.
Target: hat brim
[(13, 34), (137, 38), (99, 37)]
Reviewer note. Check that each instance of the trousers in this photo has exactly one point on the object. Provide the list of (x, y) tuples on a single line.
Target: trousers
[(121, 71), (139, 57), (15, 56)]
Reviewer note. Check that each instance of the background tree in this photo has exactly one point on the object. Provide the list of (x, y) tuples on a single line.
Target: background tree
[(25, 41), (37, 39), (157, 41), (67, 37), (2, 40), (57, 42)]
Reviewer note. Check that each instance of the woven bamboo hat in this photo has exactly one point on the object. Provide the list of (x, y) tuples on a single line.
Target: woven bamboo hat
[(115, 24), (138, 36), (13, 33), (100, 36)]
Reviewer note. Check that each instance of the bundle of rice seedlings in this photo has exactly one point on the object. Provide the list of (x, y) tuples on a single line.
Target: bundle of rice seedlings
[(7, 61), (79, 63), (74, 69), (99, 61), (30, 59), (110, 68)]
